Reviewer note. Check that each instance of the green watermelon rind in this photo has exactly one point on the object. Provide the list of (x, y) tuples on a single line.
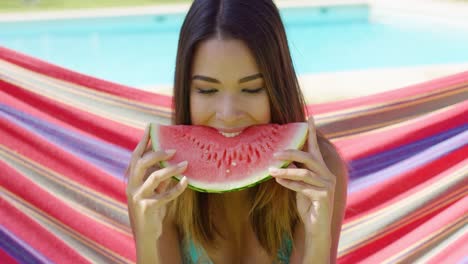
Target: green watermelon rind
[(164, 164)]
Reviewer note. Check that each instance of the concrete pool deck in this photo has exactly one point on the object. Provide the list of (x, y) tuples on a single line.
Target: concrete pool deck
[(325, 86)]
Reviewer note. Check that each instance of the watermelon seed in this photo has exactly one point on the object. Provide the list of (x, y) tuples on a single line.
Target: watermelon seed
[(257, 153), (262, 148), (228, 171), (233, 164)]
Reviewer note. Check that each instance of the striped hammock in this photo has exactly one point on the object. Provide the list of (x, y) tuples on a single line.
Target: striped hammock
[(66, 138)]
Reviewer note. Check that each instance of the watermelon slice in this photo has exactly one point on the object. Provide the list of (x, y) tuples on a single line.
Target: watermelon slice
[(220, 164)]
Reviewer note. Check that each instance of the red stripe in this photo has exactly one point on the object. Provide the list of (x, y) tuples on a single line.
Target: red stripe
[(30, 231), (61, 73), (438, 223), (454, 253), (396, 230), (4, 257), (102, 128), (385, 193), (35, 111), (66, 216), (367, 144), (439, 84), (51, 156)]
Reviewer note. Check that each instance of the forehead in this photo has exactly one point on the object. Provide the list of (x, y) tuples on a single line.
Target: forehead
[(222, 58)]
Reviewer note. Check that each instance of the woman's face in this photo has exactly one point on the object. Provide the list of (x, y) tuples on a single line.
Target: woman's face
[(227, 90)]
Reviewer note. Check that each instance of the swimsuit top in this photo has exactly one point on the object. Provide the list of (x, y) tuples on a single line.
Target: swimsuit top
[(191, 255)]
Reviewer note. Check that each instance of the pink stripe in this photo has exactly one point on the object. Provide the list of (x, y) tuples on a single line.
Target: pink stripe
[(454, 253), (35, 111), (102, 128), (450, 215), (439, 84), (366, 144), (31, 232), (389, 192), (48, 155), (398, 229), (60, 73), (65, 215)]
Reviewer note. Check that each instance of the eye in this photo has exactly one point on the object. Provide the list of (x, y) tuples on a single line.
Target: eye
[(253, 91), (206, 91)]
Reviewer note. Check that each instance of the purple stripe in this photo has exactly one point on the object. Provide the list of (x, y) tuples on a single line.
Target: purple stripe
[(464, 260), (18, 249), (417, 160), (374, 163), (108, 157)]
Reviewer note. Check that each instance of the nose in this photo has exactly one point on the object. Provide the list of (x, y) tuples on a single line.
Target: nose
[(228, 109)]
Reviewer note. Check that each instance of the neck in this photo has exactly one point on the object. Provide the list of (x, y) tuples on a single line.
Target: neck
[(233, 210), (234, 205)]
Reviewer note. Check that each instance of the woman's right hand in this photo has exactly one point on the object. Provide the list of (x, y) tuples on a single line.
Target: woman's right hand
[(149, 189)]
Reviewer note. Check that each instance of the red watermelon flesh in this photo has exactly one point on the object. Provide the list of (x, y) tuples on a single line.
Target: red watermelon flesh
[(219, 164)]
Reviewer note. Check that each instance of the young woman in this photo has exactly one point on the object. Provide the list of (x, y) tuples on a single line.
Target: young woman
[(234, 70)]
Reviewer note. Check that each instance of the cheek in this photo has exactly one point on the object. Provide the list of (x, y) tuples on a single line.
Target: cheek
[(198, 110), (260, 109)]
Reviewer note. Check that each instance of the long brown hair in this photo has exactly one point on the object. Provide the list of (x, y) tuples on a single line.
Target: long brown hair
[(273, 211)]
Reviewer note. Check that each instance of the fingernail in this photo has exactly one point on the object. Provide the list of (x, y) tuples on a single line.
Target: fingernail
[(273, 170), (278, 154), (170, 151), (182, 164)]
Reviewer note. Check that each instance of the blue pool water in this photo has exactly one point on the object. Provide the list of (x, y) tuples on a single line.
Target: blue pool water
[(140, 50)]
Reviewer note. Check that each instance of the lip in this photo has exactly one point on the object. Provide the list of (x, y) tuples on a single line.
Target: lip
[(231, 130)]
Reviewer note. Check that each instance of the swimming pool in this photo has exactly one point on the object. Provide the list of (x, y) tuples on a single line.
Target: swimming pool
[(140, 50)]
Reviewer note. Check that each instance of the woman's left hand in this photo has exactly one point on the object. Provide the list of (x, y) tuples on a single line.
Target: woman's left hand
[(313, 182)]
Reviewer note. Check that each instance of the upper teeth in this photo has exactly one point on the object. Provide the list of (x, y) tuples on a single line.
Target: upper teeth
[(229, 134)]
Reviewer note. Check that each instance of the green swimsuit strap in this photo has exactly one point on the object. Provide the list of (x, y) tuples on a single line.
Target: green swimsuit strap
[(193, 255)]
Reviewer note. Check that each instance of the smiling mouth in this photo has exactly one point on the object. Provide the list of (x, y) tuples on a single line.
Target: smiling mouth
[(229, 135)]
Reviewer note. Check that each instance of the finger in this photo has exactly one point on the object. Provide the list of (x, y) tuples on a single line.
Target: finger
[(303, 157), (147, 161), (148, 150), (303, 175), (312, 141), (162, 187), (140, 148), (148, 187), (300, 187), (175, 191)]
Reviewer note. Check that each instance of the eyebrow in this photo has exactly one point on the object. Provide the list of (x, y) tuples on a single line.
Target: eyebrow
[(242, 80)]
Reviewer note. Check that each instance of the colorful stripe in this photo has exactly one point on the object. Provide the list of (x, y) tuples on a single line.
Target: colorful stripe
[(66, 139)]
